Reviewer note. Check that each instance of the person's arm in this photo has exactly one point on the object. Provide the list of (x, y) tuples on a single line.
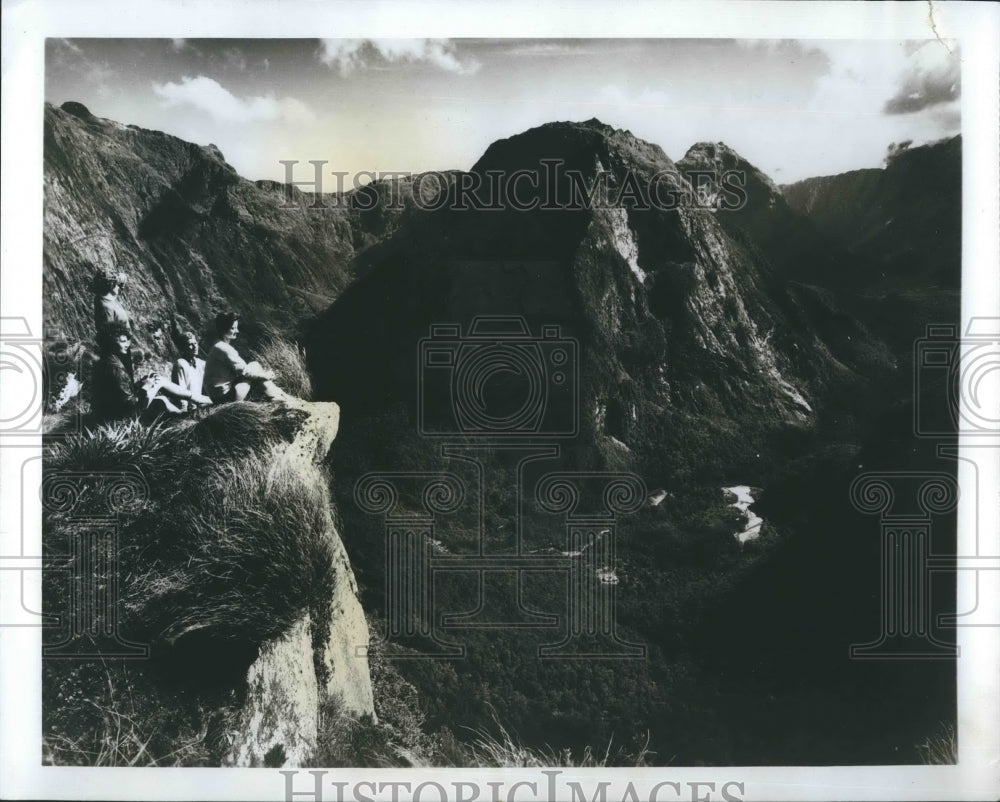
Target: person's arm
[(181, 374), (179, 391), (249, 370)]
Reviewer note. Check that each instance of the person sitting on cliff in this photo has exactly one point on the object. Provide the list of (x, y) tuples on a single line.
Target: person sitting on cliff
[(113, 394), (108, 307), (189, 368), (228, 377), (159, 396)]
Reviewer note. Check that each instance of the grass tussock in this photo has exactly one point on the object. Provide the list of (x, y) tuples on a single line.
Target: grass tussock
[(216, 536), (940, 749), (288, 361), (499, 748), (220, 548), (106, 715)]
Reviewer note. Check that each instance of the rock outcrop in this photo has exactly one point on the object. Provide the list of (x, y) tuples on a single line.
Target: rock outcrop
[(317, 659), (192, 235), (683, 325), (232, 572)]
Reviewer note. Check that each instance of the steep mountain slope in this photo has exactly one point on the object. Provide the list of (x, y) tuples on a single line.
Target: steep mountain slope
[(683, 329), (904, 218), (798, 250), (902, 226), (193, 236)]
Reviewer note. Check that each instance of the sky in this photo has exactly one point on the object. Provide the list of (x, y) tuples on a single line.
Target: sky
[(793, 108)]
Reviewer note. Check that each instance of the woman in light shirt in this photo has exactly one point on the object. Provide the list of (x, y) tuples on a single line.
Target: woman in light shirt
[(228, 377), (189, 367)]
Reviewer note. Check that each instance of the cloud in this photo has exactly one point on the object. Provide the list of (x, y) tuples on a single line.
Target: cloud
[(550, 49), (646, 97), (352, 54), (178, 44), (207, 95), (932, 77), (234, 58)]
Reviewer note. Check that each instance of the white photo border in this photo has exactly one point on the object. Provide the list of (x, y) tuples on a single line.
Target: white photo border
[(26, 25)]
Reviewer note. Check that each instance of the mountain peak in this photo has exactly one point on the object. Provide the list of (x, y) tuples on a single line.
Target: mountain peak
[(578, 145), (718, 157), (78, 110)]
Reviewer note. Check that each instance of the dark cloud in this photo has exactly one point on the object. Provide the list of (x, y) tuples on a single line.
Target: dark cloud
[(925, 85)]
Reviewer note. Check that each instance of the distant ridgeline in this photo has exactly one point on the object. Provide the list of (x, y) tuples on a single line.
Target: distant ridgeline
[(765, 346)]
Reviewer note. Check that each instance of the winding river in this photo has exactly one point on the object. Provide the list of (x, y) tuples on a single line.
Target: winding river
[(743, 501)]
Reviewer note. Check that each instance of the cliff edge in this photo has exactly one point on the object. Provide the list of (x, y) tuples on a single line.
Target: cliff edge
[(231, 580)]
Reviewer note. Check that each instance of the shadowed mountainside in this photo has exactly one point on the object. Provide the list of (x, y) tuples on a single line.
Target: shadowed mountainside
[(902, 226), (193, 235), (684, 331)]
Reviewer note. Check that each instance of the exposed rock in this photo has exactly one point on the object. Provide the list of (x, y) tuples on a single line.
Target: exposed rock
[(675, 314), (277, 726), (193, 236)]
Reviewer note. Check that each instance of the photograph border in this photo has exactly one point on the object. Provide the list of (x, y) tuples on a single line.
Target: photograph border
[(26, 25)]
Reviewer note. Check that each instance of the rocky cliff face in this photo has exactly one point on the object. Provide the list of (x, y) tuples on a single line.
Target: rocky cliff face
[(681, 324), (193, 235), (232, 571), (317, 658)]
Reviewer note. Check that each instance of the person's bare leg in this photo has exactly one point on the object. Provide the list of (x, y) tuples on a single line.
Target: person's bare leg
[(241, 391)]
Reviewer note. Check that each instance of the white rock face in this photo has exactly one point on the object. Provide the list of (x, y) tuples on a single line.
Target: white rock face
[(347, 673), (278, 723), (624, 241)]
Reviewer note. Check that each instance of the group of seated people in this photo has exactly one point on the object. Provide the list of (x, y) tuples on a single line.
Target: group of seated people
[(119, 391)]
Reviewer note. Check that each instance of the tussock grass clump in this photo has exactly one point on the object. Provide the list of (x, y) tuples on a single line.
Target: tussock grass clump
[(288, 361), (501, 749), (222, 545), (219, 537), (940, 749)]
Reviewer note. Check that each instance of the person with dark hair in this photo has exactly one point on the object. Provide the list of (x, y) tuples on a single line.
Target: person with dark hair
[(113, 393), (227, 376), (108, 307)]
